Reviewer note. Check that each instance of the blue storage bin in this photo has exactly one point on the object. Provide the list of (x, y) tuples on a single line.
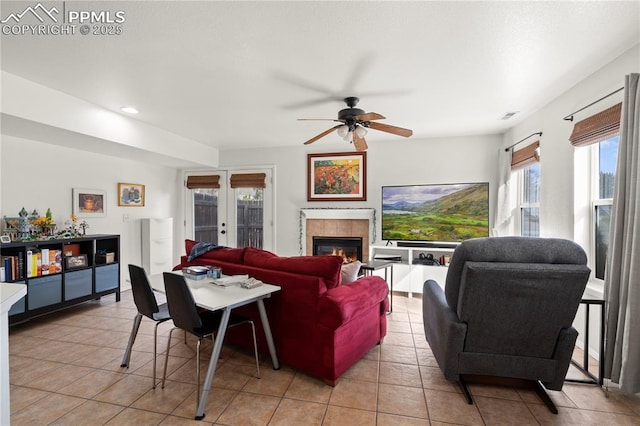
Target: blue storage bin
[(44, 291), (107, 277), (77, 284)]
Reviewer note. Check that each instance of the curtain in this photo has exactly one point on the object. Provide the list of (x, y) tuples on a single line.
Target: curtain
[(503, 221), (622, 273)]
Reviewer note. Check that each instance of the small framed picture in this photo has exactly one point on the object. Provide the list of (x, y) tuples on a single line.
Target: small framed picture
[(130, 194), (89, 202), (5, 239), (76, 262)]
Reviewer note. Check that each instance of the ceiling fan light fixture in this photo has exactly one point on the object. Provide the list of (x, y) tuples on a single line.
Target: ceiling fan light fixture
[(361, 131), (349, 137), (343, 130)]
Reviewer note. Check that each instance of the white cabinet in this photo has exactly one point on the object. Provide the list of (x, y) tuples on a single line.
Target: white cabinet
[(157, 245), (408, 276)]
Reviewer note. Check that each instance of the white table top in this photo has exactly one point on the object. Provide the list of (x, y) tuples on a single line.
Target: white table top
[(213, 297), (10, 294)]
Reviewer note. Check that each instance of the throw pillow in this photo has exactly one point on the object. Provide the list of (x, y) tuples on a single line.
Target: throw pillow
[(350, 272)]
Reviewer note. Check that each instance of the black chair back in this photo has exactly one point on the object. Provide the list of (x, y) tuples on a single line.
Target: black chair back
[(143, 295), (182, 307)]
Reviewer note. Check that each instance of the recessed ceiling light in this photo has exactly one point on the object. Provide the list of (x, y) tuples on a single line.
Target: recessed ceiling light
[(130, 109)]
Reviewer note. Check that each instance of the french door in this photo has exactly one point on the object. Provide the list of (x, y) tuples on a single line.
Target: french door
[(231, 208)]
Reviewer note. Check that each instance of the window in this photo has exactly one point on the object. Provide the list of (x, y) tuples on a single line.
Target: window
[(603, 172), (530, 201), (596, 140), (527, 162)]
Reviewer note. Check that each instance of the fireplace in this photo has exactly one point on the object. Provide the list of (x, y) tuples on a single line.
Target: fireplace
[(337, 223), (350, 248)]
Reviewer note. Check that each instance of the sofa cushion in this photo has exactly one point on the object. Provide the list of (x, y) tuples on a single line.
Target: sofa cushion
[(232, 255), (349, 272), (327, 267)]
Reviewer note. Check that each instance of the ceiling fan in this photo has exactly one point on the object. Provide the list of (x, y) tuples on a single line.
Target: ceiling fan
[(354, 123)]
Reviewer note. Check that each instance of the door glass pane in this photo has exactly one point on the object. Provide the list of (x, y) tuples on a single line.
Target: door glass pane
[(205, 215), (608, 156), (603, 221), (250, 217), (530, 222)]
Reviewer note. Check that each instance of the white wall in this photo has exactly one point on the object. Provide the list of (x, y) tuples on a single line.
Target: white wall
[(39, 176), (394, 161)]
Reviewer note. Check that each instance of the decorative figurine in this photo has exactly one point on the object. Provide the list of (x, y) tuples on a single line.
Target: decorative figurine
[(23, 225)]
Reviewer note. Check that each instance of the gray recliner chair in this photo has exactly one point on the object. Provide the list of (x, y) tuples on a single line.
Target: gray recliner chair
[(506, 311)]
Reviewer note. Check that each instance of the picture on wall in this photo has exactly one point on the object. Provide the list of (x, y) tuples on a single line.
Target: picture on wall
[(130, 194), (337, 177), (89, 202)]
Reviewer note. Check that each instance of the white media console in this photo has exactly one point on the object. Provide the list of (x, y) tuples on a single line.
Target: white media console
[(407, 276)]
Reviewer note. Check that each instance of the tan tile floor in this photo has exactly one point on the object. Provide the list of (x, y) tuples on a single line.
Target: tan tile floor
[(65, 370)]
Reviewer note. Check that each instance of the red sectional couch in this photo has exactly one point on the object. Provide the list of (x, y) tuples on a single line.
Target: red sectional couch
[(319, 326)]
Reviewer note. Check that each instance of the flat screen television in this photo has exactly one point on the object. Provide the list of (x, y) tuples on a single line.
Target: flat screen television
[(439, 213)]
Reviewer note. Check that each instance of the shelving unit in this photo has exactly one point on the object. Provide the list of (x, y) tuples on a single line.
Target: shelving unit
[(157, 245), (407, 276), (61, 286)]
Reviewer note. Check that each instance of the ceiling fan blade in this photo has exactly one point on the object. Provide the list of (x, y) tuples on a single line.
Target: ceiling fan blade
[(391, 129), (321, 135), (368, 116), (359, 143)]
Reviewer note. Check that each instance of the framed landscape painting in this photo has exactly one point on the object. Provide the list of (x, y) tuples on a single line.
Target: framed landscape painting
[(337, 176)]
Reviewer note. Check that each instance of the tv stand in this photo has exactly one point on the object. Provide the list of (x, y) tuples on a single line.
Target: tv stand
[(408, 276)]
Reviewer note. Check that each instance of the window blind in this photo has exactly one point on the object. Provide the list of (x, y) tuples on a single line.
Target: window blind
[(208, 181), (598, 127), (248, 180), (526, 156)]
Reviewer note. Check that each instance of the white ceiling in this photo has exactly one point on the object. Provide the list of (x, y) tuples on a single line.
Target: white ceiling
[(238, 74)]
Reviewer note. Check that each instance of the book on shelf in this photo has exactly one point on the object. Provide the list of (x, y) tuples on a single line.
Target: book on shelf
[(44, 261), (12, 268)]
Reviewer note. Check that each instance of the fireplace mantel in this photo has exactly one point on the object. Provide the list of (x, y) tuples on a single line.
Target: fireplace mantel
[(335, 213)]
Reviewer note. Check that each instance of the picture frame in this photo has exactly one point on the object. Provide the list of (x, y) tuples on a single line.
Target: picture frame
[(338, 176), (5, 239), (89, 202), (76, 262), (130, 194)]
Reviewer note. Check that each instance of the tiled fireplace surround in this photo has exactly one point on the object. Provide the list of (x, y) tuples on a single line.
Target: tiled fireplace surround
[(329, 222)]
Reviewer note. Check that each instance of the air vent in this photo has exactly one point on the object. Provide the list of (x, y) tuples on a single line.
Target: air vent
[(508, 115)]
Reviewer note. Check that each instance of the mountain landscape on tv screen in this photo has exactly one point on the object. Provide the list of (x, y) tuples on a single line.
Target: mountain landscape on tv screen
[(446, 212)]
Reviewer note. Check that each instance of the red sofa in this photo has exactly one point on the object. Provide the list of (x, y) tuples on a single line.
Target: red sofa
[(319, 326)]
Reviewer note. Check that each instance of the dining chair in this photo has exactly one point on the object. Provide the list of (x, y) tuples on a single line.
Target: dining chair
[(147, 305), (201, 323)]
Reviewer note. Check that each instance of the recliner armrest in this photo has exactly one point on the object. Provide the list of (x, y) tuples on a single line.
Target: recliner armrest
[(444, 332)]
